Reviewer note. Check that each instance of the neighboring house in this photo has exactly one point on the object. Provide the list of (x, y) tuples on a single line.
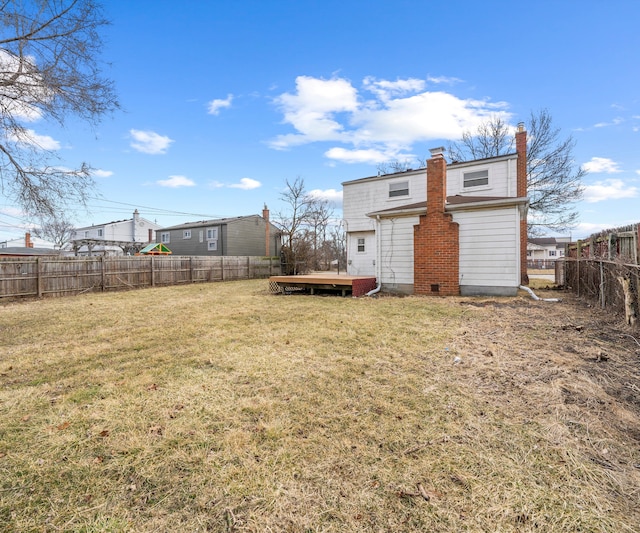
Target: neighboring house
[(115, 238), (28, 241), (546, 248), (251, 235), (462, 230)]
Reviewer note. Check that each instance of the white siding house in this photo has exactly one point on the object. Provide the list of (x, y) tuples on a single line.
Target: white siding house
[(115, 238), (485, 198)]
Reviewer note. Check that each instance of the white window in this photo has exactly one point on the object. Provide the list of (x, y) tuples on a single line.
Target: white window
[(399, 188), (165, 237), (100, 233), (361, 247), (201, 236), (212, 233), (186, 234), (552, 253), (86, 234), (476, 178), (212, 245)]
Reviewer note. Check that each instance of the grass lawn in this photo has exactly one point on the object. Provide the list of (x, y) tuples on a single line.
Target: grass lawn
[(221, 407)]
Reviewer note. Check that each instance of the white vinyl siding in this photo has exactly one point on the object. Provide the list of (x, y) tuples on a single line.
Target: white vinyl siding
[(396, 243), (489, 244)]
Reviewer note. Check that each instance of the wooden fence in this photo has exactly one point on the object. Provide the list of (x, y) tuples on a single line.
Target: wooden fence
[(22, 277), (611, 284)]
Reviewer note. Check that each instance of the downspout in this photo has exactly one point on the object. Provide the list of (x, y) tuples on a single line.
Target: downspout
[(537, 298), (378, 259)]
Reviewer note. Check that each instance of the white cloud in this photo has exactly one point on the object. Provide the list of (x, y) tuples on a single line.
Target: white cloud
[(400, 114), (611, 189), (246, 184), (175, 182), (370, 155), (216, 105), (614, 122), (15, 100), (443, 79), (149, 142), (102, 173), (31, 138), (601, 165), (330, 195)]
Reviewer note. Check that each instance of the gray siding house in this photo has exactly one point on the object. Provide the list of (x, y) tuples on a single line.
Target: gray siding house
[(251, 235)]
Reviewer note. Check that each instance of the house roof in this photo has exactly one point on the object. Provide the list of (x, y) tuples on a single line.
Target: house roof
[(212, 222), (452, 165), (22, 251), (453, 203)]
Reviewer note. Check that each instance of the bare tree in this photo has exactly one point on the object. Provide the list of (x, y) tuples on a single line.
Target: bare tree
[(49, 69), (395, 165), (303, 223), (55, 229), (554, 181)]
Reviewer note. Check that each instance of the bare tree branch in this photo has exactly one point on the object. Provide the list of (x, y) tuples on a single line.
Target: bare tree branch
[(554, 181), (49, 68)]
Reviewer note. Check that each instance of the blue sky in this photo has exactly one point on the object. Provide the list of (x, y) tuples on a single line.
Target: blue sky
[(222, 101)]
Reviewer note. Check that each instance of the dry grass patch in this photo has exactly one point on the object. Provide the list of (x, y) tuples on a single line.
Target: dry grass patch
[(223, 408)]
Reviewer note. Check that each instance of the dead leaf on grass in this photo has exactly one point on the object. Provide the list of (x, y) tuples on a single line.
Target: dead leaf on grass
[(63, 426), (156, 430), (153, 386)]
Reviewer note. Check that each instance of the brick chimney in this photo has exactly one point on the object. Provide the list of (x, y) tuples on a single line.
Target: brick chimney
[(27, 240), (521, 191), (436, 244), (265, 215), (436, 181), (134, 223)]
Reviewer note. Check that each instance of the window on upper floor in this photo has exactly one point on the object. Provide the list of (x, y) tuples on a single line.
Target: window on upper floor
[(100, 233), (476, 178), (212, 233), (399, 188), (552, 253), (361, 247), (201, 235), (186, 234), (165, 237)]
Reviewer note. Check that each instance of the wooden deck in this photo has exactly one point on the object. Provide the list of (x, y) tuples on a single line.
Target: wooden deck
[(342, 283)]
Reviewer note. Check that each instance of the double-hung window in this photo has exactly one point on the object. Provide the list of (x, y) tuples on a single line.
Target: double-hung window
[(186, 234), (399, 188), (165, 237), (477, 178), (212, 239), (361, 245)]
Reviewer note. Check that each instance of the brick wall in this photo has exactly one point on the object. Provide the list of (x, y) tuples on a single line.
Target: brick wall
[(436, 239), (521, 173)]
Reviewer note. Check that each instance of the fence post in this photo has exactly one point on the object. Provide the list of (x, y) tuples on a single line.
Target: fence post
[(222, 267), (153, 271), (249, 268), (102, 272), (602, 296), (39, 277)]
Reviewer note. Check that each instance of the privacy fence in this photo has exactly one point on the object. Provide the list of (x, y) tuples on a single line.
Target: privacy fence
[(22, 277), (605, 269)]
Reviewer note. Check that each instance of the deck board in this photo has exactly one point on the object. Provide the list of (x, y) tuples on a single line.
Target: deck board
[(357, 285)]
